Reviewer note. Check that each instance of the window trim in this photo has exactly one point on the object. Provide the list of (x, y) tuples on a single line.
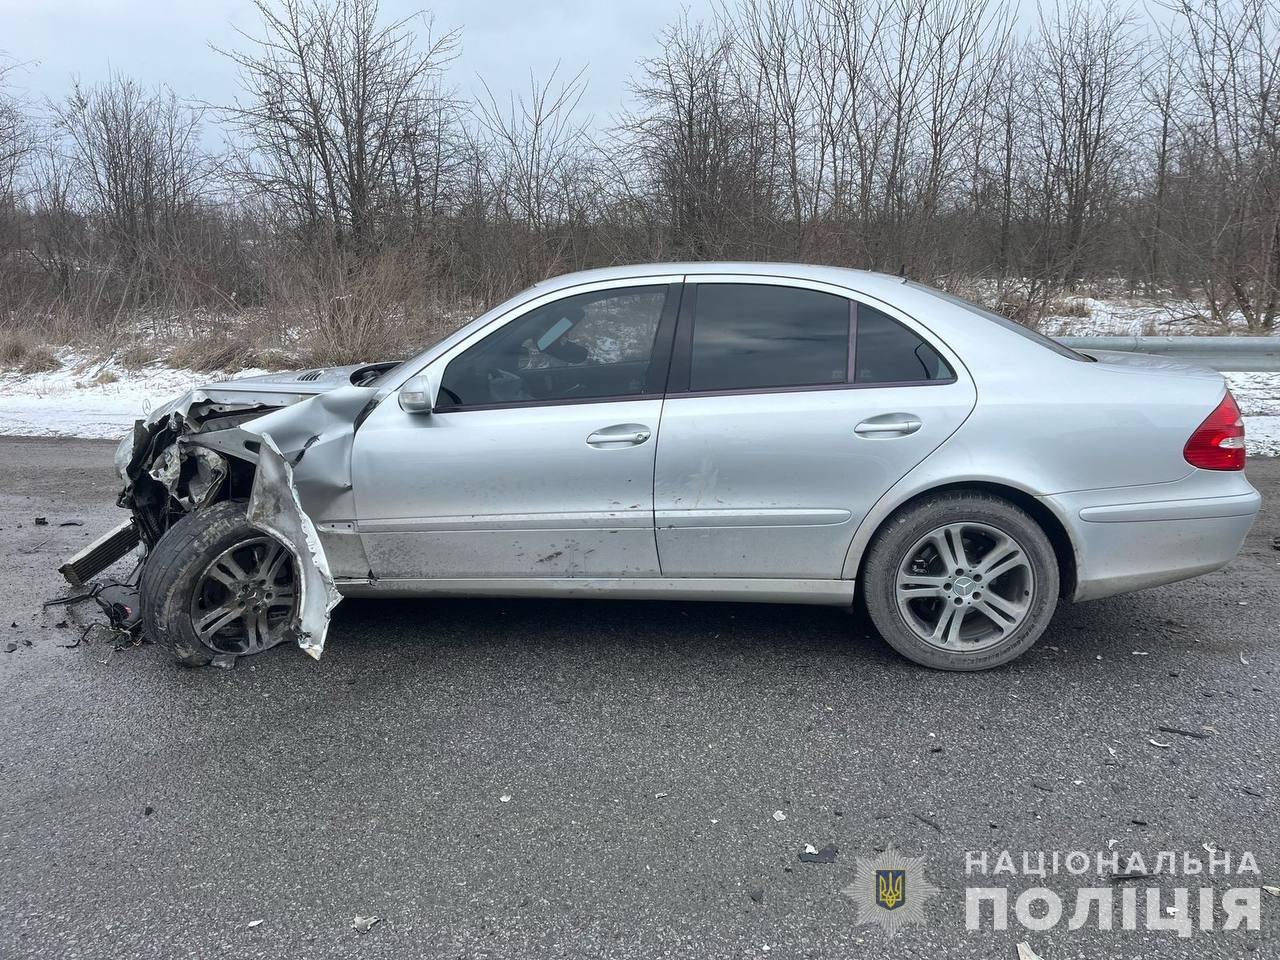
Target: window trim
[(680, 371), (661, 355)]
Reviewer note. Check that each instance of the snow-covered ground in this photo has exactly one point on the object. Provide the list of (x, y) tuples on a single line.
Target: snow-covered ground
[(81, 399), (87, 398)]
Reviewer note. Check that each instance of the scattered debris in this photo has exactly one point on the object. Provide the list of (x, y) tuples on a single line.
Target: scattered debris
[(364, 924), (1193, 734), (779, 815), (756, 893), (254, 923), (117, 599), (42, 521), (927, 821), (1243, 660), (661, 796), (1274, 891), (148, 811), (1157, 743), (10, 647), (1026, 953), (224, 661), (1252, 792), (1124, 875), (1136, 822), (71, 523), (1141, 653), (505, 798), (1041, 785), (827, 854)]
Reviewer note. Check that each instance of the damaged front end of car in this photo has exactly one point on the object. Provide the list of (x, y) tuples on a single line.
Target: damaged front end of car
[(278, 445)]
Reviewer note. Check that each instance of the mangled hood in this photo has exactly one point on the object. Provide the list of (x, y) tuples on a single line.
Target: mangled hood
[(274, 389)]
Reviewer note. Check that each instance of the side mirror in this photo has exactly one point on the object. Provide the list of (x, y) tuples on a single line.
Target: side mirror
[(415, 395)]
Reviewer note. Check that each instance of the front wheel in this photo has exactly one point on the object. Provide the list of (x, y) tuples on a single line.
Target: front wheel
[(961, 581), (217, 585)]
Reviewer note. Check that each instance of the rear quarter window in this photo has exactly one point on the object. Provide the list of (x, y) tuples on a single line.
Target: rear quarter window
[(887, 352)]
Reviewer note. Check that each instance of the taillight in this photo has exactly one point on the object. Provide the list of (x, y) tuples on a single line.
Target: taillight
[(1218, 443)]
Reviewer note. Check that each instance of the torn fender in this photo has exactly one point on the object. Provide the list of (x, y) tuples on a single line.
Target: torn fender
[(274, 506)]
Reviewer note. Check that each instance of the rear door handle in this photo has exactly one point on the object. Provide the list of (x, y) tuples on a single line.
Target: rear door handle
[(620, 435), (889, 425)]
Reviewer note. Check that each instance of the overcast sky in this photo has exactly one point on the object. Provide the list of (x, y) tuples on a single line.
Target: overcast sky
[(167, 41)]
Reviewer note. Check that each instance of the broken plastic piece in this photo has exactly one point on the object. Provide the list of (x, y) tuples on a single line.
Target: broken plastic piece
[(827, 854), (364, 924)]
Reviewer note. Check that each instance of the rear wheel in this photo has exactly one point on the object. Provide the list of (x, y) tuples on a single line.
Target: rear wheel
[(217, 585), (961, 581)]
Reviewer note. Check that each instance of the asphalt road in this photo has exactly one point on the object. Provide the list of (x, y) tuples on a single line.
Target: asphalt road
[(152, 811)]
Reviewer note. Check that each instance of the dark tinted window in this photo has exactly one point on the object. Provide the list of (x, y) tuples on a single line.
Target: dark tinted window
[(590, 346), (890, 353), (752, 335)]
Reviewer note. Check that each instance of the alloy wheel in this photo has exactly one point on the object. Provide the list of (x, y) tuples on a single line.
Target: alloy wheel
[(246, 597), (964, 587)]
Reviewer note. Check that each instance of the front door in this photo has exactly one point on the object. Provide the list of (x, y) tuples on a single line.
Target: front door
[(537, 460)]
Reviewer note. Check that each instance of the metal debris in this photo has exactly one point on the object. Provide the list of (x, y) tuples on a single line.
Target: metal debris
[(364, 924), (827, 854), (779, 815), (1193, 734)]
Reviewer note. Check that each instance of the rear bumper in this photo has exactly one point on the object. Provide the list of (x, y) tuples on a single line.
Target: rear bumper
[(1131, 538)]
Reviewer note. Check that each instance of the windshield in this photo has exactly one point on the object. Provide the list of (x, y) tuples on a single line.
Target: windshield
[(1005, 322)]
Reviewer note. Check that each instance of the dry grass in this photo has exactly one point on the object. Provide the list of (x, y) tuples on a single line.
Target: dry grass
[(1069, 307), (40, 358), (137, 355)]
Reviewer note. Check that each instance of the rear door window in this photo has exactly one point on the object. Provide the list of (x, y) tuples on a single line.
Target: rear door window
[(752, 336)]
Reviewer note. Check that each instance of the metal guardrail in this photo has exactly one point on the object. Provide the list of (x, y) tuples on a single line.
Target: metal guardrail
[(1253, 354)]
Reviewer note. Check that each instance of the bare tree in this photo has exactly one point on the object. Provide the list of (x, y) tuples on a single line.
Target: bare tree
[(1229, 156), (135, 166), (334, 104)]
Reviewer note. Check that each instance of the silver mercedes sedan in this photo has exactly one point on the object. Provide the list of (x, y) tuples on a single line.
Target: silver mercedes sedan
[(709, 431)]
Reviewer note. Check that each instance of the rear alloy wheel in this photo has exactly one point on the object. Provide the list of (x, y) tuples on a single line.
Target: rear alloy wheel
[(961, 581)]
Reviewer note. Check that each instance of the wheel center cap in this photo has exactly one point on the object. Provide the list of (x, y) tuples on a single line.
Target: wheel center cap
[(962, 586)]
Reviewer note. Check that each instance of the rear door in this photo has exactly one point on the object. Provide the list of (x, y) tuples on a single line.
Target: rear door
[(791, 409)]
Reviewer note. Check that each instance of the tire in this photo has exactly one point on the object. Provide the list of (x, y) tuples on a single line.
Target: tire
[(180, 564), (989, 605)]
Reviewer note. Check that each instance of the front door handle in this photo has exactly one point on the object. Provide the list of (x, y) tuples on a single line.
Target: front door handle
[(889, 425), (620, 435)]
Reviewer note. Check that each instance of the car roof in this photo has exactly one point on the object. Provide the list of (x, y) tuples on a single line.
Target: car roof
[(866, 280)]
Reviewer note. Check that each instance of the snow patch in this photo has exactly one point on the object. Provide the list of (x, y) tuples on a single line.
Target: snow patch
[(89, 398)]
